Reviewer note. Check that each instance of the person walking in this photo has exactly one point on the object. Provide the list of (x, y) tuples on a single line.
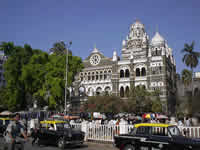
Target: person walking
[(13, 133)]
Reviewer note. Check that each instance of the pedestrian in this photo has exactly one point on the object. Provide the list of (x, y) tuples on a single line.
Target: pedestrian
[(187, 122), (13, 133)]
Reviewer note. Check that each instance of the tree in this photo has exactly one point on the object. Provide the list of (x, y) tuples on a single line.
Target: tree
[(32, 74), (186, 77), (60, 48), (103, 104), (190, 58), (156, 102), (7, 47)]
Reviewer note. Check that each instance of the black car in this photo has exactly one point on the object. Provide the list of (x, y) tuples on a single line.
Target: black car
[(154, 136), (60, 133)]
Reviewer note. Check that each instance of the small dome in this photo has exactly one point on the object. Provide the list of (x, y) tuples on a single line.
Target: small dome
[(157, 39)]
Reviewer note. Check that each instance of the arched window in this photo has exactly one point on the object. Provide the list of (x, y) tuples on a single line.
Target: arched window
[(97, 76), (105, 75), (122, 92), (121, 73), (93, 76), (127, 92), (109, 74), (127, 74), (137, 72), (98, 91), (90, 92), (101, 75), (143, 71)]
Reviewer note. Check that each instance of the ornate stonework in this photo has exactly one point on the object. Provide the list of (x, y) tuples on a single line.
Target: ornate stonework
[(144, 62)]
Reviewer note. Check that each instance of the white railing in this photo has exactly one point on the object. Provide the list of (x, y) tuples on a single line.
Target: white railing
[(106, 133)]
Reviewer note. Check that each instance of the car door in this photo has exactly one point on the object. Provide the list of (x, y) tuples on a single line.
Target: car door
[(52, 134), (143, 133), (159, 138)]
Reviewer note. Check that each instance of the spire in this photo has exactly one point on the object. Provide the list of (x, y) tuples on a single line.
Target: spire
[(157, 28), (157, 39), (95, 50)]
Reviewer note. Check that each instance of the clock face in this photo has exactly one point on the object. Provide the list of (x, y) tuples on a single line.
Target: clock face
[(95, 59)]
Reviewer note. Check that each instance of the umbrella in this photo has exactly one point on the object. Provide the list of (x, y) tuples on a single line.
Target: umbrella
[(138, 118), (147, 116), (71, 117), (162, 117), (6, 113), (56, 116)]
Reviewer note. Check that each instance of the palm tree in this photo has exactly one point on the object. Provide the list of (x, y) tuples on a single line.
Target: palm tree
[(190, 58), (186, 77)]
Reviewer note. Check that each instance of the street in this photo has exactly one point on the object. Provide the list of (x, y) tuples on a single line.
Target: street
[(85, 146)]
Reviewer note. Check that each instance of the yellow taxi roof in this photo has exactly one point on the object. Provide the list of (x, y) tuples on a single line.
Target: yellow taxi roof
[(151, 125), (6, 119), (52, 121)]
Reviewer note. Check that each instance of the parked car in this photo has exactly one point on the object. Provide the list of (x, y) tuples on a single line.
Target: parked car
[(154, 136), (60, 133), (3, 124)]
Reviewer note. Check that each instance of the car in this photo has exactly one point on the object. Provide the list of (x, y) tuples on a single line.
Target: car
[(155, 136), (3, 124), (60, 133)]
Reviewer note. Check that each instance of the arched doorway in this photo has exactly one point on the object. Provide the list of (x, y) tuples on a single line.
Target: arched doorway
[(122, 91), (127, 92), (107, 90), (90, 92), (98, 91)]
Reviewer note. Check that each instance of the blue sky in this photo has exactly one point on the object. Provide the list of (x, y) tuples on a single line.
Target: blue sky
[(104, 23)]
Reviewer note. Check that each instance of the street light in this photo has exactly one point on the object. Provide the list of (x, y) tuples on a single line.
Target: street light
[(67, 51)]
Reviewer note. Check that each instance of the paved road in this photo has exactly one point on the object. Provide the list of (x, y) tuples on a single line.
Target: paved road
[(85, 146)]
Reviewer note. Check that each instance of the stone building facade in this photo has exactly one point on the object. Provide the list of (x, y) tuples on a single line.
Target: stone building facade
[(143, 62)]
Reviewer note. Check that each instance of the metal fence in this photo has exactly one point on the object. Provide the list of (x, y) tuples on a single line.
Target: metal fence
[(106, 133)]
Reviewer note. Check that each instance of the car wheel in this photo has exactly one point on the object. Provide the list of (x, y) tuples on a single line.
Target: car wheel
[(61, 143), (129, 147)]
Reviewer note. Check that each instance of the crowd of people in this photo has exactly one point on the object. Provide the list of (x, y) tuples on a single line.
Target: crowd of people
[(19, 126)]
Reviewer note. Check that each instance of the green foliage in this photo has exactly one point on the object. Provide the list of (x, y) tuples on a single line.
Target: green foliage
[(32, 74), (140, 100), (186, 77), (103, 104), (190, 57)]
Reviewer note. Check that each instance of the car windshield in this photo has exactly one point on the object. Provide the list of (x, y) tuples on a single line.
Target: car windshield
[(174, 131), (62, 125)]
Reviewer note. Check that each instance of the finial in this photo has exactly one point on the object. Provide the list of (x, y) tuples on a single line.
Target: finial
[(156, 28), (95, 50)]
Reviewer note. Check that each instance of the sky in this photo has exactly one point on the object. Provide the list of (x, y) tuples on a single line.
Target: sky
[(104, 23)]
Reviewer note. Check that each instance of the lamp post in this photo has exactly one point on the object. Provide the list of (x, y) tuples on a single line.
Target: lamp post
[(67, 52)]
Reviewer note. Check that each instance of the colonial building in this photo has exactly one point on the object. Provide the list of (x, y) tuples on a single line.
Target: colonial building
[(144, 62)]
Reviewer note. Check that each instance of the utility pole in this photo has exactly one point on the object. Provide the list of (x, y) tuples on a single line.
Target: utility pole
[(67, 52)]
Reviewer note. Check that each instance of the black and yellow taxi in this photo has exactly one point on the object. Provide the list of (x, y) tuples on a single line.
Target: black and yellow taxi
[(155, 136), (60, 133), (3, 124)]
